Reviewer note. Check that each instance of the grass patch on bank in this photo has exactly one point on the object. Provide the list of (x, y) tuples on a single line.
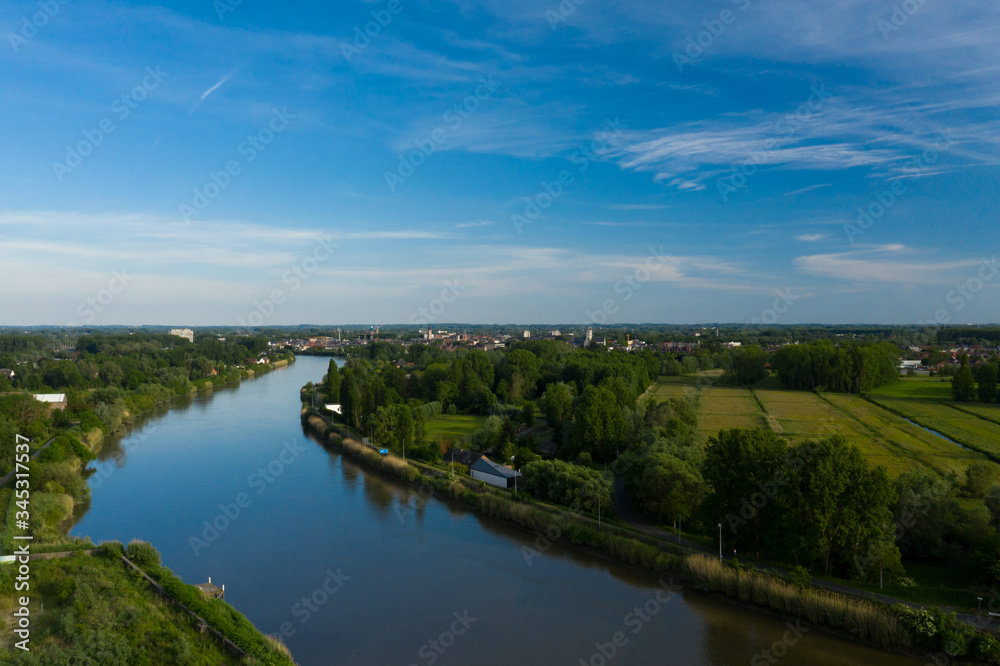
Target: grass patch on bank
[(453, 427), (96, 613)]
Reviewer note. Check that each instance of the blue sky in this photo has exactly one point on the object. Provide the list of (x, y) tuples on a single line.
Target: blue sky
[(525, 162)]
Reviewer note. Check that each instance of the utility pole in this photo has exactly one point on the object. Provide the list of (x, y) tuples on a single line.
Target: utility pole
[(720, 542)]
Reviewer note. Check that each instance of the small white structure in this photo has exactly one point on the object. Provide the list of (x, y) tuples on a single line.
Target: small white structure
[(484, 469), (57, 400), (335, 408)]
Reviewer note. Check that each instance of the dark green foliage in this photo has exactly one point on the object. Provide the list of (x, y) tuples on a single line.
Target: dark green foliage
[(748, 364), (569, 485), (986, 380), (846, 368), (963, 385)]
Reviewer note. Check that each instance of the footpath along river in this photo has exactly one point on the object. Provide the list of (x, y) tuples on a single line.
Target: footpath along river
[(354, 568)]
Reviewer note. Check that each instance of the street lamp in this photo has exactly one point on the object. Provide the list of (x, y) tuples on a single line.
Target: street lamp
[(980, 602), (720, 542), (515, 476)]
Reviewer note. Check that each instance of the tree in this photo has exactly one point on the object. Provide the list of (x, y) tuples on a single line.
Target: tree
[(557, 404), (598, 423), (837, 506), (748, 364), (986, 378), (744, 469), (979, 477), (963, 385), (528, 414), (925, 513), (670, 487), (331, 385)]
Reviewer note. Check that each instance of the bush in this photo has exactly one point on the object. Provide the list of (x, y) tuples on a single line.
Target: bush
[(111, 549), (142, 554)]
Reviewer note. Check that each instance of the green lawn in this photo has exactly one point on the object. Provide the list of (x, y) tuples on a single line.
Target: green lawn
[(928, 388), (453, 427)]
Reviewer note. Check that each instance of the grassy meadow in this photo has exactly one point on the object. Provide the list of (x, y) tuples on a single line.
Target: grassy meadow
[(453, 428)]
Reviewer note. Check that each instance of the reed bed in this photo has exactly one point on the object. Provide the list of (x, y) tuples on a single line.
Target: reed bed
[(867, 622)]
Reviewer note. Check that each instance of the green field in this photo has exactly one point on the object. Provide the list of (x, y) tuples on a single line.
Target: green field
[(926, 388), (883, 437), (962, 426), (724, 407), (452, 427), (670, 387)]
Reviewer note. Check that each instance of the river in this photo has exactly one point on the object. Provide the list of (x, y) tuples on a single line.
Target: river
[(357, 569)]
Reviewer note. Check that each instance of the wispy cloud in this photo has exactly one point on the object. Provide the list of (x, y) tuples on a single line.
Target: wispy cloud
[(889, 264), (216, 86)]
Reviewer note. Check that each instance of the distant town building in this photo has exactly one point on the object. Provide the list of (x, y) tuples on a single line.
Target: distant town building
[(7, 373), (185, 333), (589, 338), (527, 334)]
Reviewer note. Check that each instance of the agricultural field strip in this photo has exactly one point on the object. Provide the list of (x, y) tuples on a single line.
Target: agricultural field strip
[(802, 416), (908, 440), (964, 427)]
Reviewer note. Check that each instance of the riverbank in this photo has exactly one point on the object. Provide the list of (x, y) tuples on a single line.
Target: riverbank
[(898, 629), (65, 468)]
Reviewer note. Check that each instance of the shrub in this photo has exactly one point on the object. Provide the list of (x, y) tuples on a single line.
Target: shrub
[(800, 577), (142, 554), (111, 549)]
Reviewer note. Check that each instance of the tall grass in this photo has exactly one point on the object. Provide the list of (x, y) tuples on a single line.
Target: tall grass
[(865, 621)]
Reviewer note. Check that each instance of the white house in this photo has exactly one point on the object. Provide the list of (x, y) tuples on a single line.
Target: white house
[(484, 469), (335, 408)]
